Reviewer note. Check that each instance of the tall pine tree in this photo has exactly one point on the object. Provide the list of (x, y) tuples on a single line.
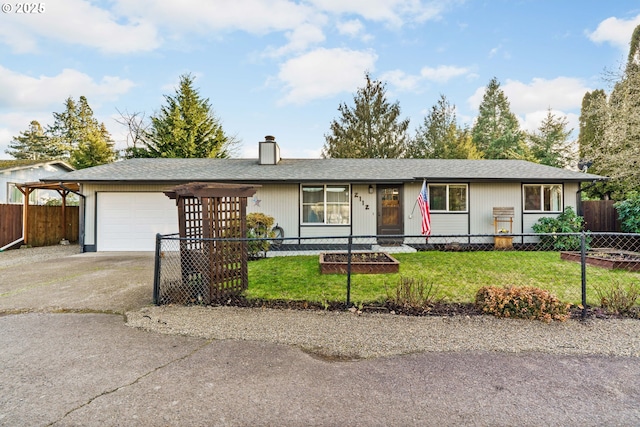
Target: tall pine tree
[(33, 144), (439, 137), (496, 131), (185, 127), (550, 144), (372, 128), (77, 134)]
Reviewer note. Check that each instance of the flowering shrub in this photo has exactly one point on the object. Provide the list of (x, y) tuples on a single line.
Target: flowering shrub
[(522, 303)]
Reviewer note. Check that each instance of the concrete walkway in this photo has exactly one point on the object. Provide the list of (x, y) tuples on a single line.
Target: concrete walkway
[(63, 362)]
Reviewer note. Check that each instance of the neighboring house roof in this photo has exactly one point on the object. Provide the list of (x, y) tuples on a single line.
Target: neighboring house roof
[(11, 165), (320, 170)]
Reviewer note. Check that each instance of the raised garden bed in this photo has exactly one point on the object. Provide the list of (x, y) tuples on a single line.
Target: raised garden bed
[(361, 262), (607, 258)]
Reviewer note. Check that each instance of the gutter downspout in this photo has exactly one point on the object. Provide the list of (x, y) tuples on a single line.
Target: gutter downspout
[(80, 216), (12, 244)]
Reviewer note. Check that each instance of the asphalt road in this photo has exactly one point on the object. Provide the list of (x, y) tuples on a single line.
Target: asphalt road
[(64, 361)]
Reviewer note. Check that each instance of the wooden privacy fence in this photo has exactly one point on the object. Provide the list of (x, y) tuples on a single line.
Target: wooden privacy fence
[(600, 215), (46, 224)]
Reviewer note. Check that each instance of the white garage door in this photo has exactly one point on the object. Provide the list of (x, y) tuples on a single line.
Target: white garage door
[(130, 221)]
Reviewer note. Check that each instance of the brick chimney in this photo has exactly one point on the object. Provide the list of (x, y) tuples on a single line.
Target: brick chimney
[(269, 151)]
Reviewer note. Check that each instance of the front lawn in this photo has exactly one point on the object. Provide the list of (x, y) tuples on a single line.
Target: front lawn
[(457, 276)]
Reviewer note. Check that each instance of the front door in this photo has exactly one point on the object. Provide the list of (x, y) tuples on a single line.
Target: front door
[(390, 212)]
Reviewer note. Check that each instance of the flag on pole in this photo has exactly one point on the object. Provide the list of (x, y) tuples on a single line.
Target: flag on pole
[(423, 202)]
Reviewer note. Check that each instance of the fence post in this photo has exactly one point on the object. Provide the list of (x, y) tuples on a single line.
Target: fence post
[(156, 271), (349, 270), (583, 271)]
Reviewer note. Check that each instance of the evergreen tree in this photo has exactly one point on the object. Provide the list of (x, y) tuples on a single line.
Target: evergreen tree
[(462, 147), (96, 148), (81, 138), (439, 136), (370, 129), (592, 121), (435, 133), (33, 144), (496, 131), (616, 151), (185, 127), (550, 145)]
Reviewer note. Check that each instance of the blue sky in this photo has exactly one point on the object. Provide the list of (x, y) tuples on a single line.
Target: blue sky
[(278, 67)]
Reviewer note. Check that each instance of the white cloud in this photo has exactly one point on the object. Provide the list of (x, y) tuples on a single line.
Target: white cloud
[(531, 102), (354, 28), (562, 93), (351, 28), (299, 39), (615, 31), (323, 73), (408, 82), (252, 16), (78, 22), (401, 80), (393, 12), (442, 73), (37, 93)]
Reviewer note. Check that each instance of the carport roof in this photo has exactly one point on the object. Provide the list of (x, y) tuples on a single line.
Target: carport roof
[(318, 170)]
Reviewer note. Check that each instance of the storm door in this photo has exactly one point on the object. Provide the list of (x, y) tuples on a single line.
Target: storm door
[(389, 212)]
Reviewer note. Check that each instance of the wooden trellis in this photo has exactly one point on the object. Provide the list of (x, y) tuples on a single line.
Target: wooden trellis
[(211, 220)]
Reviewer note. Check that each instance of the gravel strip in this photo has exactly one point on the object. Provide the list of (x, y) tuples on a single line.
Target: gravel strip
[(23, 256), (346, 335)]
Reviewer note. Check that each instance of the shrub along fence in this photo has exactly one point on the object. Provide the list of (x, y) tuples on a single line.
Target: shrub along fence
[(594, 272)]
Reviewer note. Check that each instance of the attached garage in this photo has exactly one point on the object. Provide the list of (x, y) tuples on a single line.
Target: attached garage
[(130, 221)]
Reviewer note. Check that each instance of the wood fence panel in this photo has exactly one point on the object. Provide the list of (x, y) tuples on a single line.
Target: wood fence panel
[(45, 224), (600, 215), (10, 224)]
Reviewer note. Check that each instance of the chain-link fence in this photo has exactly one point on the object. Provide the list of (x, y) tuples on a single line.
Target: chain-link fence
[(591, 271)]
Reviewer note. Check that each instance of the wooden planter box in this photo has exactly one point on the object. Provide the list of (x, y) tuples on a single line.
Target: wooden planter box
[(361, 262), (503, 242), (607, 258)]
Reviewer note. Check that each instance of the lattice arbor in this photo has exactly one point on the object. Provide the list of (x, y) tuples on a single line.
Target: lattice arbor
[(213, 258)]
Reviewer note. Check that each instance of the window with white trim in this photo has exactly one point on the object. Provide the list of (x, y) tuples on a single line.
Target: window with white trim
[(448, 198), (326, 204), (542, 197)]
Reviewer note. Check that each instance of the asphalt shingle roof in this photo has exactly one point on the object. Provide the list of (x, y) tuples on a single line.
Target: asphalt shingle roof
[(26, 164), (319, 170)]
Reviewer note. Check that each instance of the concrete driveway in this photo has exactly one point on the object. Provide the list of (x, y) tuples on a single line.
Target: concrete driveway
[(64, 362)]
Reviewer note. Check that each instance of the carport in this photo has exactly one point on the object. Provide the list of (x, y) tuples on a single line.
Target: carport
[(63, 188)]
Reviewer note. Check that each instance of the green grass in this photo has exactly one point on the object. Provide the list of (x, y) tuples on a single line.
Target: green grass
[(457, 276)]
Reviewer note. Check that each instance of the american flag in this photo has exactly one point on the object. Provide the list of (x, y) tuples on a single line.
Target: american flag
[(423, 202)]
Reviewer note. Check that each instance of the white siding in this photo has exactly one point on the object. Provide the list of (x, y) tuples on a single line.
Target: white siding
[(363, 210), (324, 231), (30, 174), (441, 223), (412, 217), (281, 201), (484, 196)]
